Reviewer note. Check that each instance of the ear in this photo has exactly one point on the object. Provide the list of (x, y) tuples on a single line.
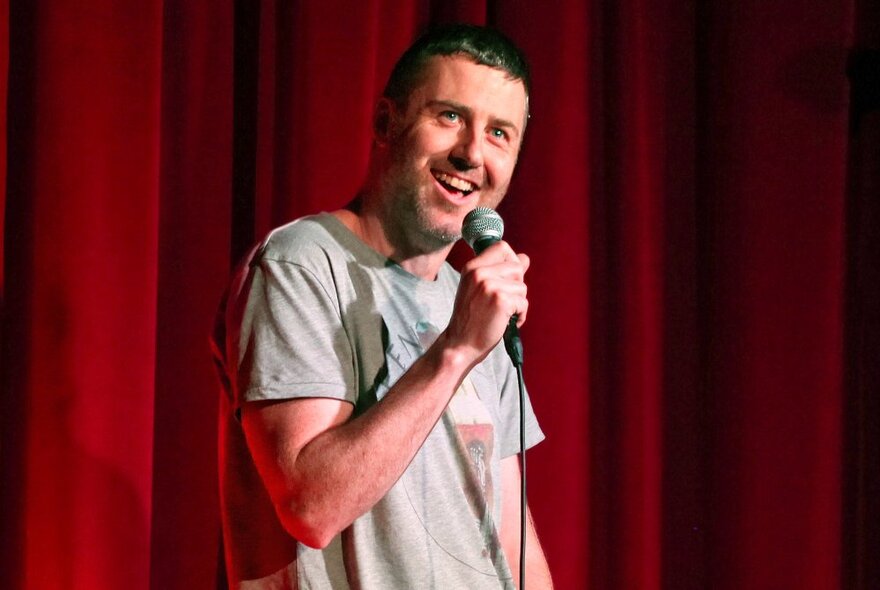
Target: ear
[(382, 120)]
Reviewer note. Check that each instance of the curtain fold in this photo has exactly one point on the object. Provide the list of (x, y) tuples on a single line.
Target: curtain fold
[(194, 200), (861, 514), (775, 171), (81, 263), (696, 198)]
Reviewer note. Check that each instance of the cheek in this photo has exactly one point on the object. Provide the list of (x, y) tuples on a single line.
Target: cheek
[(434, 138), (499, 169)]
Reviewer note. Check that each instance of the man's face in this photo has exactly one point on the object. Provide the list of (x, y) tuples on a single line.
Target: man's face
[(452, 149)]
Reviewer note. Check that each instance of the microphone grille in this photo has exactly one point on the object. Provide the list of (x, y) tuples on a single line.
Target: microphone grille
[(482, 222)]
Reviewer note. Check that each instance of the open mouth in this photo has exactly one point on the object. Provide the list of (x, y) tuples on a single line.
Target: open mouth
[(453, 184)]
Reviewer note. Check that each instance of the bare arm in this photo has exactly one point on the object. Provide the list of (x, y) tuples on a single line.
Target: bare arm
[(537, 571), (324, 469)]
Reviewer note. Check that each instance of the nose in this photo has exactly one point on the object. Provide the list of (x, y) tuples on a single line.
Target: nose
[(468, 152)]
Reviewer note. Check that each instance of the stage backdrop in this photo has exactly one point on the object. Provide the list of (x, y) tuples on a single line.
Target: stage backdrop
[(697, 193)]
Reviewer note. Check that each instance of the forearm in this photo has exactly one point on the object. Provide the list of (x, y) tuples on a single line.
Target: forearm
[(537, 571), (322, 486)]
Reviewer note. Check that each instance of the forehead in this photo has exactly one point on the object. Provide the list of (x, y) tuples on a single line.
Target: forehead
[(460, 80)]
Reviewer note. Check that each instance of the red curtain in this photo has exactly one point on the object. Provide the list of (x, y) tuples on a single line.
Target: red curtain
[(698, 201)]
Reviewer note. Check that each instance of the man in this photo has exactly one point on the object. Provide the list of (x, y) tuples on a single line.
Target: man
[(370, 433)]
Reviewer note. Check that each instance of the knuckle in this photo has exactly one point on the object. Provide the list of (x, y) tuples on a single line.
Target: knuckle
[(469, 267), (480, 274)]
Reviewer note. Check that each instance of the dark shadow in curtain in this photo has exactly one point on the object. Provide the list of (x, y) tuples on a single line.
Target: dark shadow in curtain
[(16, 301), (861, 509), (246, 73)]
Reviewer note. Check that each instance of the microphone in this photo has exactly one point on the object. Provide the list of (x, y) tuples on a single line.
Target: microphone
[(481, 228)]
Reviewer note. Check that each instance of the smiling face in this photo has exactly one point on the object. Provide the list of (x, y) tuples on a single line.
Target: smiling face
[(451, 148)]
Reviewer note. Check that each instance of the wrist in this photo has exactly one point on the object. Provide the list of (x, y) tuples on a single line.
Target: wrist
[(452, 356)]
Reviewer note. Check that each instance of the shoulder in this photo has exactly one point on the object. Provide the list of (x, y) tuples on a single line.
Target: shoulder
[(312, 247), (303, 240)]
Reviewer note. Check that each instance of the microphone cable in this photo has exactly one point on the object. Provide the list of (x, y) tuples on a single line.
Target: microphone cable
[(513, 344)]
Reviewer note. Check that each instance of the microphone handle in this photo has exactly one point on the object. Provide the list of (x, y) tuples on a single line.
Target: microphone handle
[(512, 342)]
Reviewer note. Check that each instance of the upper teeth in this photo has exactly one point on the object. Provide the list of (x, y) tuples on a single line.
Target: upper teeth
[(462, 185)]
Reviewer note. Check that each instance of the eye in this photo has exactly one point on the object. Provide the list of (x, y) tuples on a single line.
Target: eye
[(498, 133), (450, 116)]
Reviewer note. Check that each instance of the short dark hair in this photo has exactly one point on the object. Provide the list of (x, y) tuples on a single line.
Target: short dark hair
[(483, 45)]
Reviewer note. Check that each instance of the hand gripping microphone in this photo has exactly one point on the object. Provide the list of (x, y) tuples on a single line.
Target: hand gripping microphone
[(481, 228)]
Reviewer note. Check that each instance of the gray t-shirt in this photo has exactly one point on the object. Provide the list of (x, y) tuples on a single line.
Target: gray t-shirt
[(317, 313)]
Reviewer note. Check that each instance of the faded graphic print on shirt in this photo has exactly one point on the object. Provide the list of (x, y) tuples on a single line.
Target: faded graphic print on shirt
[(473, 425)]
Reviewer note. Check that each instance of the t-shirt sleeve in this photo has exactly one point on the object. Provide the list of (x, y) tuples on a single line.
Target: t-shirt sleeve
[(293, 343), (509, 410)]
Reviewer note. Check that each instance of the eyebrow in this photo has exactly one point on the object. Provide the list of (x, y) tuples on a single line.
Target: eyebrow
[(456, 106)]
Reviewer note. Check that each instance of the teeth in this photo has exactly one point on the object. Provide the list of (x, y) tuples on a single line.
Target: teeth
[(462, 185)]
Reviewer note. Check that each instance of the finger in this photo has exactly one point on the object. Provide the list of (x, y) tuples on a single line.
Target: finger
[(510, 271), (508, 298), (521, 307), (498, 252), (513, 268)]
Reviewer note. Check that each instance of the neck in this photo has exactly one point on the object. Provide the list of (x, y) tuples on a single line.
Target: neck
[(365, 219)]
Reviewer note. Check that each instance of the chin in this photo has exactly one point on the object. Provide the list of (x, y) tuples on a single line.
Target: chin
[(433, 234), (441, 236), (439, 219)]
